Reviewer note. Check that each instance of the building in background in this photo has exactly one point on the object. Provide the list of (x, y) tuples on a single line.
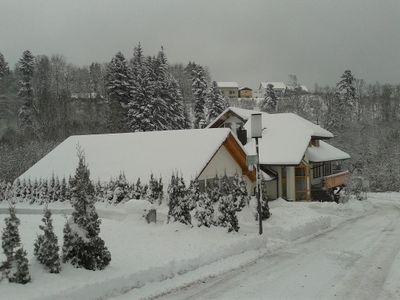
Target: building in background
[(294, 153), (245, 92), (230, 90), (280, 88)]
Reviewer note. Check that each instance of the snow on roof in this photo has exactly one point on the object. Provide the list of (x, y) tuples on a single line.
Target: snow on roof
[(245, 88), (228, 84), (325, 152), (304, 88), (285, 138), (242, 113), (136, 154), (277, 85)]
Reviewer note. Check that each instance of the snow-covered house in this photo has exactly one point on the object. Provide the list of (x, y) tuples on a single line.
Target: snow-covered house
[(245, 92), (293, 151), (279, 88), (229, 90), (197, 153)]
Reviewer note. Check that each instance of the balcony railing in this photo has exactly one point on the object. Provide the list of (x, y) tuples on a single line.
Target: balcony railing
[(334, 180)]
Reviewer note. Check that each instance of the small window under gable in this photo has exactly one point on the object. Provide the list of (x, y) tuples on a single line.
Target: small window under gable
[(315, 143)]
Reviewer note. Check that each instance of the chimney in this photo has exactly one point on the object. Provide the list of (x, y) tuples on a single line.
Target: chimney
[(242, 135)]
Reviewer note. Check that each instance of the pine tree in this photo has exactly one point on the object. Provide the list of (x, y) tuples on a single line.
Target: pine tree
[(84, 248), (204, 211), (46, 245), (152, 193), (121, 190), (138, 190), (26, 113), (118, 91), (10, 239), (343, 103), (227, 217), (270, 100), (213, 189), (193, 193), (199, 88), (16, 266), (179, 209), (239, 191), (143, 95), (21, 274), (63, 190), (4, 70), (215, 102)]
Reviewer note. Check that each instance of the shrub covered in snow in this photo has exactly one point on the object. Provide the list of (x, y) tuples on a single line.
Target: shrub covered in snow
[(179, 202), (83, 246), (16, 266), (46, 245)]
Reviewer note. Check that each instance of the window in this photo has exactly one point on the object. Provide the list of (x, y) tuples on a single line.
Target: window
[(327, 168), (317, 170)]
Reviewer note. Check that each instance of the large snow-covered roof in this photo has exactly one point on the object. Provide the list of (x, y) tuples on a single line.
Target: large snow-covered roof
[(242, 113), (136, 154), (325, 152), (228, 84), (285, 138), (277, 85)]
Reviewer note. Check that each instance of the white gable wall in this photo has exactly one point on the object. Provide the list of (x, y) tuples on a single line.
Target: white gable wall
[(223, 163)]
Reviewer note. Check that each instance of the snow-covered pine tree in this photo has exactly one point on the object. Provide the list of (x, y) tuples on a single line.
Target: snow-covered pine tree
[(225, 186), (63, 190), (160, 191), (44, 192), (228, 209), (265, 213), (143, 95), (228, 206), (4, 70), (199, 88), (84, 247), (25, 68), (215, 102), (51, 186), (121, 190), (239, 191), (35, 191), (29, 191), (46, 244), (10, 240), (68, 251), (346, 97), (16, 266), (152, 192), (269, 103), (193, 193), (168, 90), (204, 212), (178, 204), (21, 267), (138, 190), (118, 91), (213, 189)]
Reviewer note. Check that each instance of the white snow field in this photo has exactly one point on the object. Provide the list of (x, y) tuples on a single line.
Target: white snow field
[(308, 251)]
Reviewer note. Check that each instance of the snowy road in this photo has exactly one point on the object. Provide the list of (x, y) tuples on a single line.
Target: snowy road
[(350, 262)]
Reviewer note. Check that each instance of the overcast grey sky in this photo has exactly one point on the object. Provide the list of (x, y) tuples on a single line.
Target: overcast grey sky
[(246, 41)]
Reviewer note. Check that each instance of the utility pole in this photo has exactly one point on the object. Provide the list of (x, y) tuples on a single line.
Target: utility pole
[(256, 133)]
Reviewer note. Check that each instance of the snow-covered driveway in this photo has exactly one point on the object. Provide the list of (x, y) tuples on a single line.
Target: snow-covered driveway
[(353, 261)]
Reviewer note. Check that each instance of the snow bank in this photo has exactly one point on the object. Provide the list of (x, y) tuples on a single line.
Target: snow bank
[(144, 256)]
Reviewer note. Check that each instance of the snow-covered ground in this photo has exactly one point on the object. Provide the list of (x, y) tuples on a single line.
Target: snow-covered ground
[(153, 259)]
